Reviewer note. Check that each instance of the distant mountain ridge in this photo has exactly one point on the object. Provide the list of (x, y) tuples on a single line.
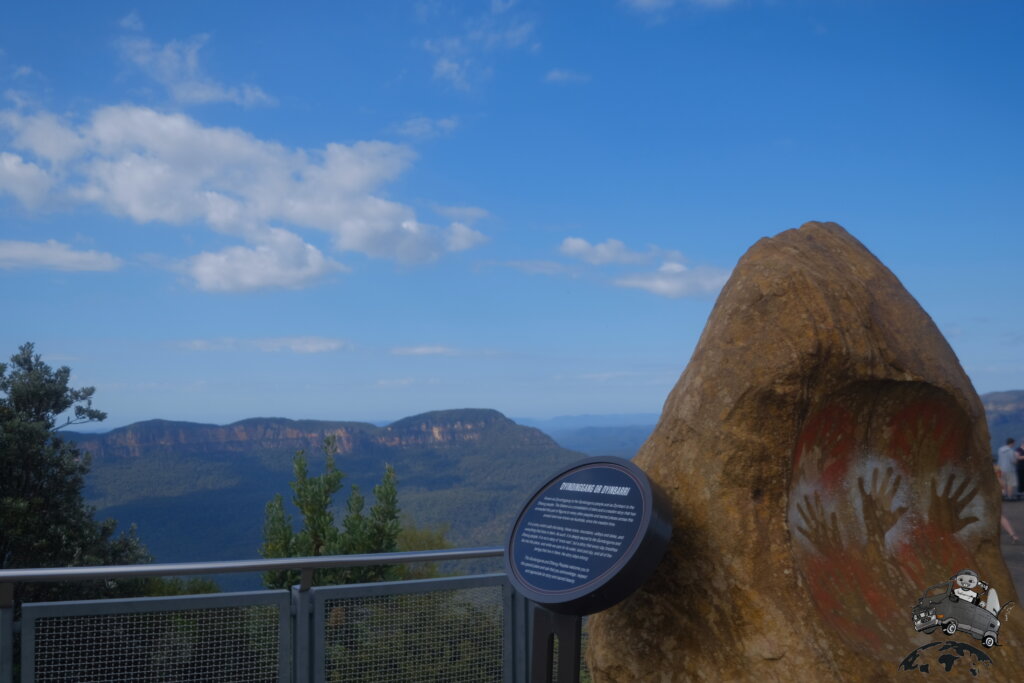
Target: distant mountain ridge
[(434, 429), (198, 491), (140, 438)]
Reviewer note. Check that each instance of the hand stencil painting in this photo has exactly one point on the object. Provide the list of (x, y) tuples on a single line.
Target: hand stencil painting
[(883, 497)]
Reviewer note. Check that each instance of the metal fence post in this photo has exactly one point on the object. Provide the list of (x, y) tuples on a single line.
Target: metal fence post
[(6, 632), (517, 635), (302, 650)]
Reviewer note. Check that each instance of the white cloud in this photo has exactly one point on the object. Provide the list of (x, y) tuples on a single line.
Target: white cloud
[(423, 127), (672, 279), (461, 237), (155, 167), (460, 59), (463, 214), (44, 134), (490, 35), (565, 76), (25, 180), (281, 260), (301, 344), (55, 255), (270, 344), (455, 72), (425, 351), (609, 251), (675, 280), (175, 65), (131, 22)]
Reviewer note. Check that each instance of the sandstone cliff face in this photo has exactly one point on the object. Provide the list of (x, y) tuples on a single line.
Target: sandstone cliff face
[(828, 460), (163, 435), (432, 430)]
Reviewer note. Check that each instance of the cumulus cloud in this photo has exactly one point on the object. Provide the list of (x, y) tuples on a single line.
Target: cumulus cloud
[(562, 76), (270, 344), (151, 166), (672, 279), (281, 260), (175, 65), (460, 237), (422, 127), (676, 280), (54, 255), (44, 134), (463, 214), (25, 180), (609, 251)]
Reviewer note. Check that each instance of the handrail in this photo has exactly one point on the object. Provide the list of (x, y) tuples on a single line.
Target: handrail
[(227, 566)]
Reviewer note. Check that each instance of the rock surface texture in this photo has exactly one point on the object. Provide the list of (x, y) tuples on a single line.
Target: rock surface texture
[(827, 460)]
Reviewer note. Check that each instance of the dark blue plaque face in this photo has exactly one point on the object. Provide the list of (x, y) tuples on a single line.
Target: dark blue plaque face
[(580, 531), (575, 530)]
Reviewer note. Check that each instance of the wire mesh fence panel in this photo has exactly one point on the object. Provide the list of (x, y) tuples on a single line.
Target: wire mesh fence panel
[(585, 676), (584, 641), (227, 643), (447, 635)]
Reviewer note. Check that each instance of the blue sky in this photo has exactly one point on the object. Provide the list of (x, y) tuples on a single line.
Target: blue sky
[(369, 210)]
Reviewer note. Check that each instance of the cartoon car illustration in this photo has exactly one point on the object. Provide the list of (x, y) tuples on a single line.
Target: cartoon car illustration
[(940, 607)]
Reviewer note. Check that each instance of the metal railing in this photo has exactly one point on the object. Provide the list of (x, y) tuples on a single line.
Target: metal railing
[(463, 628)]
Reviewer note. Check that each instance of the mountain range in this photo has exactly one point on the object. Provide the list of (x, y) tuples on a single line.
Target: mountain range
[(198, 491)]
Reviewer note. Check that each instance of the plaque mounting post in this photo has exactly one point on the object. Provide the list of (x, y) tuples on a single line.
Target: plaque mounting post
[(546, 627)]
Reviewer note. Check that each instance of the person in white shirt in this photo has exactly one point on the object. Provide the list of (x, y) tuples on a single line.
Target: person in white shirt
[(1008, 464)]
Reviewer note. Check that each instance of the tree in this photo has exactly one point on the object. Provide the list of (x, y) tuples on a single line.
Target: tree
[(413, 537), (44, 521), (376, 532)]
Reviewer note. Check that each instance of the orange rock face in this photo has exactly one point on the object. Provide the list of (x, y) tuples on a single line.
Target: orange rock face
[(828, 460)]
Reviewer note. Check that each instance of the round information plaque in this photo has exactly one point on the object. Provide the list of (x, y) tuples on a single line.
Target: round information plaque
[(588, 537)]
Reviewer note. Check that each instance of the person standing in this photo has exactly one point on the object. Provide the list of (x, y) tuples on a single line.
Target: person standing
[(1008, 459), (1020, 468), (1003, 521)]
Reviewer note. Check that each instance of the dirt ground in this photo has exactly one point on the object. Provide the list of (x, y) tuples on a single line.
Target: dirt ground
[(1014, 554)]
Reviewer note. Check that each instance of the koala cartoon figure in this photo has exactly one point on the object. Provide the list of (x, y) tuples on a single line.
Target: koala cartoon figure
[(964, 584)]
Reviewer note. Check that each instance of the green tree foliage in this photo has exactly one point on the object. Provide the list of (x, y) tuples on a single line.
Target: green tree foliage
[(44, 521), (413, 537), (437, 636), (359, 532)]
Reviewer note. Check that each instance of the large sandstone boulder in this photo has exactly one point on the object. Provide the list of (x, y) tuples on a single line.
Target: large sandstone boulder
[(827, 460)]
